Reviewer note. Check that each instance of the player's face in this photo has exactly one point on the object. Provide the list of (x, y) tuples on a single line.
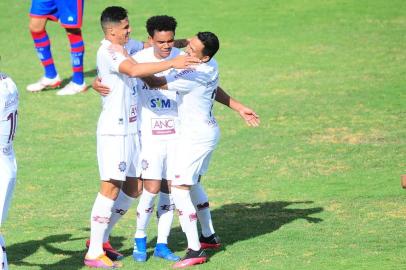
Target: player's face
[(195, 49), (162, 42), (122, 31)]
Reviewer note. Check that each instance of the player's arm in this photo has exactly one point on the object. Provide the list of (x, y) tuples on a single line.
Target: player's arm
[(178, 43), (133, 69), (155, 82), (246, 113)]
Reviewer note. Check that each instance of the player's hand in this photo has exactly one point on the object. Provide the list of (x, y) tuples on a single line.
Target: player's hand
[(250, 117), (100, 88), (184, 61)]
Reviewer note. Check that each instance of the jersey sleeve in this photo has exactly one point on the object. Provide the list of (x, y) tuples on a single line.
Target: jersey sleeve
[(186, 80), (114, 59), (133, 46)]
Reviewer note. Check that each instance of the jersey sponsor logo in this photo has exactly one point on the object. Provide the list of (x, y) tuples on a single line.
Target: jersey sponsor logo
[(122, 166), (162, 126), (144, 164), (133, 113), (184, 72), (160, 104)]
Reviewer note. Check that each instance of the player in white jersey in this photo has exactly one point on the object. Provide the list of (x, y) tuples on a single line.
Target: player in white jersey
[(116, 130), (157, 129), (199, 133), (8, 165)]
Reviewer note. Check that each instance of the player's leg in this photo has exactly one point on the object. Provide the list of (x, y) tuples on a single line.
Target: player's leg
[(125, 198), (112, 155), (8, 169), (100, 218), (165, 211), (43, 47), (188, 221), (208, 238), (144, 212), (70, 16)]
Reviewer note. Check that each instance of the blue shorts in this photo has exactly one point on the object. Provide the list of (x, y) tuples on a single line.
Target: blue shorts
[(68, 12)]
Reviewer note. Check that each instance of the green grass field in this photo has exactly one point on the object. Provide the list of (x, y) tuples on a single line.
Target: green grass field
[(315, 187)]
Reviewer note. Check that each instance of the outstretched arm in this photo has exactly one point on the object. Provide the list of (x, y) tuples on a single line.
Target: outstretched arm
[(246, 113)]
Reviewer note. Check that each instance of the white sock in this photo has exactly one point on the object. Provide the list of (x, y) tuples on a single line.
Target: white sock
[(99, 220), (120, 207), (187, 216), (3, 255), (201, 203), (145, 209), (165, 217)]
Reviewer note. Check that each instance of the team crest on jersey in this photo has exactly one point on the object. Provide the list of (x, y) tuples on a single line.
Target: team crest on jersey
[(144, 164), (122, 166), (120, 121)]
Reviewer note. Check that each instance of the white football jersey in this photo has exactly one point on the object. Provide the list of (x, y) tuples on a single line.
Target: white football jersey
[(133, 46), (158, 108), (196, 88), (119, 107), (8, 110)]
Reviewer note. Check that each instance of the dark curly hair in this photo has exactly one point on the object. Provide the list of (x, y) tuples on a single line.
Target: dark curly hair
[(161, 23)]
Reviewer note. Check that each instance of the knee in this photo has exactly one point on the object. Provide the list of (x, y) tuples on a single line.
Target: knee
[(35, 27)]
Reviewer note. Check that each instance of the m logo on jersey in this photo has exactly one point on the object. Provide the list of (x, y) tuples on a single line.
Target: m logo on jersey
[(162, 126), (160, 104)]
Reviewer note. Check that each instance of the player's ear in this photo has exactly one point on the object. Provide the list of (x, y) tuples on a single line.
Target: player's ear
[(150, 41), (205, 59)]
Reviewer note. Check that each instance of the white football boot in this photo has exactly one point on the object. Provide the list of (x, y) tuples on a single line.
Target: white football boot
[(44, 83), (72, 89)]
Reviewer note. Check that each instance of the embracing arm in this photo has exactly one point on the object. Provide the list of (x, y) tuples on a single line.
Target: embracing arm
[(246, 113)]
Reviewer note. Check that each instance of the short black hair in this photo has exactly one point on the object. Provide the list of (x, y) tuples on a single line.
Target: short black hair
[(161, 23), (112, 14), (211, 43)]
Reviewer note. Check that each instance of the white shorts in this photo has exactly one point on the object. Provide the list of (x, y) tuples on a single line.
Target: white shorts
[(157, 159), (8, 173), (192, 160), (117, 156)]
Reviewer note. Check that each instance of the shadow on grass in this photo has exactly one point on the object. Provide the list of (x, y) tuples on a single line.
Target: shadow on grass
[(233, 223), (242, 221)]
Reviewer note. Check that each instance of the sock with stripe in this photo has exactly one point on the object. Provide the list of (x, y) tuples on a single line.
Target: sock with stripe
[(77, 50), (43, 47)]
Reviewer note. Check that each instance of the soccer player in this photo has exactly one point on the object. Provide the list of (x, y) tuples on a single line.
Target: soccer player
[(157, 129), (8, 165), (117, 130), (199, 134), (69, 14)]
